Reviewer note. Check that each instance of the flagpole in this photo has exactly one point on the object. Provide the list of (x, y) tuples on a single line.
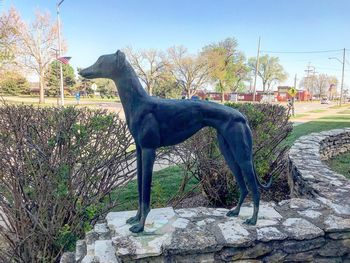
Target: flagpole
[(59, 51)]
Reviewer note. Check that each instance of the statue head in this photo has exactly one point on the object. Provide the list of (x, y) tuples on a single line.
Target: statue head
[(106, 66)]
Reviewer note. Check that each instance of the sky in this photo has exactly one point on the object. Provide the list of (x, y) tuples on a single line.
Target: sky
[(92, 28)]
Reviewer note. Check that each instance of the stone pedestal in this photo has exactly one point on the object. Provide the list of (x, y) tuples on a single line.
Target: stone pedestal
[(312, 227), (287, 231)]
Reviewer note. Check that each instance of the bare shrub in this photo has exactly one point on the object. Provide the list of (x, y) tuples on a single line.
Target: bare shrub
[(58, 167)]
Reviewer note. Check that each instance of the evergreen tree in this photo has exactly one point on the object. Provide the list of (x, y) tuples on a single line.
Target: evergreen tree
[(52, 77), (13, 83)]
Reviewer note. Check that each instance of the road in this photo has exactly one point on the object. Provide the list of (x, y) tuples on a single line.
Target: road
[(312, 109)]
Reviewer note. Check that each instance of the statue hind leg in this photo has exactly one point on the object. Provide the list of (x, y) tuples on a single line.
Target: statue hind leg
[(239, 138), (236, 170)]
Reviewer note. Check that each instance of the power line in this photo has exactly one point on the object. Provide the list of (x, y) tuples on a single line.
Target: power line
[(302, 52)]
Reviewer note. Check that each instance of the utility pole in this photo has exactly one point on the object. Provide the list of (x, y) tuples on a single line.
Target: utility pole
[(307, 77), (342, 75), (342, 79), (58, 88), (256, 69), (293, 99), (59, 51)]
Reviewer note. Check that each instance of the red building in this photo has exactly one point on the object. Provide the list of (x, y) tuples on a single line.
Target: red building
[(283, 95)]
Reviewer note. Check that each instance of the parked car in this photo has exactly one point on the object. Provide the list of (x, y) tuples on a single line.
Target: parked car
[(325, 101)]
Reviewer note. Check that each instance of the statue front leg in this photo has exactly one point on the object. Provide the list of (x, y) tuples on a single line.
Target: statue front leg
[(148, 157), (136, 219)]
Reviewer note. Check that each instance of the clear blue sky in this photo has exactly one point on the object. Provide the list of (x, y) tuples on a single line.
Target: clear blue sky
[(92, 28)]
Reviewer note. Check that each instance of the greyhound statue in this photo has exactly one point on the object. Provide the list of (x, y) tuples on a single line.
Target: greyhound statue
[(155, 123)]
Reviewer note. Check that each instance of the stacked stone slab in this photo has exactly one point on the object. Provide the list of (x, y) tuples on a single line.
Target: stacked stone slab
[(313, 226)]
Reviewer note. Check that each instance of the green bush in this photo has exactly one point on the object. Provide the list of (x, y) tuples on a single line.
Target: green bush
[(12, 83), (58, 167)]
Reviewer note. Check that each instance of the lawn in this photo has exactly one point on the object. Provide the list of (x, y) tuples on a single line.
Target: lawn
[(317, 111), (344, 112), (340, 164), (165, 184), (300, 115), (321, 124)]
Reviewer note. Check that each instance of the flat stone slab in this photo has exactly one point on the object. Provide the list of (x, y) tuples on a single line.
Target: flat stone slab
[(299, 228)]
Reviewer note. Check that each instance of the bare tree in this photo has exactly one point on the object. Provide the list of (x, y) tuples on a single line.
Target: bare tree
[(149, 65), (8, 37), (190, 71), (38, 43), (323, 83), (319, 84)]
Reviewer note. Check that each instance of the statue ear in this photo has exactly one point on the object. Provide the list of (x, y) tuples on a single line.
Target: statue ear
[(120, 59)]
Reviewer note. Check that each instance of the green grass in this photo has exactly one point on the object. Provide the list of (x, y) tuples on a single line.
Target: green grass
[(340, 164), (339, 107), (321, 124), (165, 184), (344, 112), (317, 111), (300, 115)]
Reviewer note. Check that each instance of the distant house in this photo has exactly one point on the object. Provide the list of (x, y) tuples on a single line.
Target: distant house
[(34, 88)]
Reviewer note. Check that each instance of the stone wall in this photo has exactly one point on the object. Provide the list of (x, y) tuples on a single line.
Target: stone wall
[(313, 226)]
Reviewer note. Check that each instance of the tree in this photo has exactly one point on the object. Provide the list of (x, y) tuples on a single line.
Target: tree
[(270, 70), (190, 71), (167, 86), (83, 85), (13, 83), (227, 68), (105, 87), (52, 77), (38, 43), (322, 84), (149, 65), (319, 84), (8, 37)]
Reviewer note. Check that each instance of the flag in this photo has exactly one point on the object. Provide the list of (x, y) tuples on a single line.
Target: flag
[(64, 60)]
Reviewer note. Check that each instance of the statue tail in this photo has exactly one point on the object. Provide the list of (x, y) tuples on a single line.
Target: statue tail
[(263, 186)]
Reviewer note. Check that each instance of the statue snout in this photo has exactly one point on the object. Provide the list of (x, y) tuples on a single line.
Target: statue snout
[(87, 72)]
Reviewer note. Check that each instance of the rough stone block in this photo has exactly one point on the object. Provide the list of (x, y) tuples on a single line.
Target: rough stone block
[(294, 246), (299, 228)]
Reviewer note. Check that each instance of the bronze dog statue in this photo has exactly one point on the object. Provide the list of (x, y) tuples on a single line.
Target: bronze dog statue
[(155, 123)]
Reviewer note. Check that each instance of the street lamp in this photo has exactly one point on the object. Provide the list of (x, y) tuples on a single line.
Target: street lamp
[(342, 75), (59, 50)]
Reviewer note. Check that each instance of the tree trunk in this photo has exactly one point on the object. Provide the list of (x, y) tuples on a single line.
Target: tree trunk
[(150, 91), (188, 93), (42, 90), (222, 92)]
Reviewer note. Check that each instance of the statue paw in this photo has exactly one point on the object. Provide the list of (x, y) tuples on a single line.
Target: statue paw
[(133, 220), (232, 213), (136, 228), (251, 221)]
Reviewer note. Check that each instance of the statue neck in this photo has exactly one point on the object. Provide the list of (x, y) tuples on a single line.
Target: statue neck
[(130, 90)]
